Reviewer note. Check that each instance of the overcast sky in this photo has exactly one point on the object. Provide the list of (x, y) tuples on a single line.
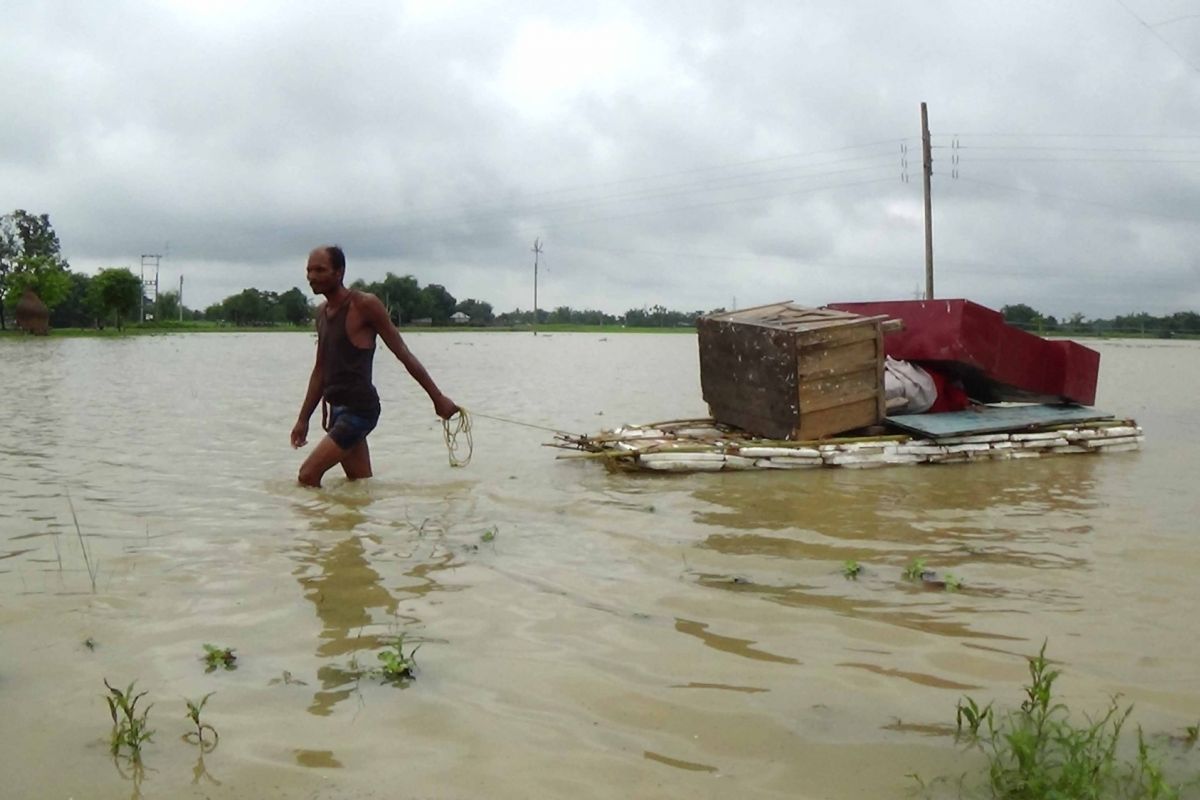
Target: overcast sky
[(689, 153)]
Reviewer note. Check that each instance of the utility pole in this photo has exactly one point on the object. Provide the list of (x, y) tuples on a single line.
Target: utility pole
[(537, 251), (149, 260), (927, 171), (181, 298)]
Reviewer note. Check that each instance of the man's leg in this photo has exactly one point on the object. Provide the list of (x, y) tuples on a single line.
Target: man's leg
[(324, 455), (357, 461)]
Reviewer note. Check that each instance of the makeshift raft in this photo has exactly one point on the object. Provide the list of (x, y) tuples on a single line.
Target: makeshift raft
[(702, 445)]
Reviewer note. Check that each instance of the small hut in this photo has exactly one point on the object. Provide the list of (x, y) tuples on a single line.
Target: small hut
[(32, 314)]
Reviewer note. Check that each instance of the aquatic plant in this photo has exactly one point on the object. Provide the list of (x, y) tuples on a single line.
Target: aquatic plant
[(130, 728), (1037, 751), (218, 657), (914, 570), (92, 569), (851, 569), (396, 664), (193, 713), (970, 713), (490, 534), (952, 583)]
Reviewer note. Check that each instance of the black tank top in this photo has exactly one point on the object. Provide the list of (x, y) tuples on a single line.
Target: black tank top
[(345, 367)]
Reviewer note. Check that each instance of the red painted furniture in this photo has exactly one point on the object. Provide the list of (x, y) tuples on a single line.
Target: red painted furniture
[(994, 360)]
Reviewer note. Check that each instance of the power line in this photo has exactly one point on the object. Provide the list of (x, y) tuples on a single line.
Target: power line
[(1080, 200), (1091, 160), (1150, 29), (679, 173), (671, 209), (1075, 135), (1174, 20), (1060, 148)]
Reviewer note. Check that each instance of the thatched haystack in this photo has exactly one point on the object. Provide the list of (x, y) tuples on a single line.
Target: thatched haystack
[(32, 314)]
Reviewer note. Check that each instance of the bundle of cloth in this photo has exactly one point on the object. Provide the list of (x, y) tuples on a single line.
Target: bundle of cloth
[(914, 389)]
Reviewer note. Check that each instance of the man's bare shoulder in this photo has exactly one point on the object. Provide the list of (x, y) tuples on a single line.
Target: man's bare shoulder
[(365, 299)]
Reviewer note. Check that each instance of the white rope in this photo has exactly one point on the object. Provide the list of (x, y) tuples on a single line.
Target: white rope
[(463, 428)]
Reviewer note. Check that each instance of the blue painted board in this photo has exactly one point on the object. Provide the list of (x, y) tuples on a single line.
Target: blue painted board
[(994, 419)]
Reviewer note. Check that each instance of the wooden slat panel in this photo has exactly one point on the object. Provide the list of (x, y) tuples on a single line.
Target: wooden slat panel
[(838, 335), (848, 385), (748, 376), (834, 400), (778, 369), (838, 419), (814, 361)]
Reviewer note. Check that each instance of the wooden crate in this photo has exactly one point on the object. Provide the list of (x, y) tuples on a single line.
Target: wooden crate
[(784, 371)]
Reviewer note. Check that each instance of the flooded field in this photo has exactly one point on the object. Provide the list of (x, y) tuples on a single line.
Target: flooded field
[(582, 633)]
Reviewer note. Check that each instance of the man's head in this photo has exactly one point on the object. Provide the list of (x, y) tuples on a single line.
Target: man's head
[(326, 268)]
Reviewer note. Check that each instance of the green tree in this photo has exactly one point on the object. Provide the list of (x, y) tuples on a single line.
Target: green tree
[(251, 307), (76, 310), (116, 291), (166, 308), (1022, 316), (295, 307), (30, 258), (45, 275), (480, 312), (436, 303)]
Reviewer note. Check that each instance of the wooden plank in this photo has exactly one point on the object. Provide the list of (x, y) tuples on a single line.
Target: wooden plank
[(839, 399), (838, 335), (837, 419), (818, 360), (747, 376), (820, 390)]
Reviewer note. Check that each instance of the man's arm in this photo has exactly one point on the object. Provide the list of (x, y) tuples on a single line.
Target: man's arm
[(377, 317), (311, 397)]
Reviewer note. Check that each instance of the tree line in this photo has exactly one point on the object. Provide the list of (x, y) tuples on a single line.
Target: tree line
[(1181, 323), (31, 260)]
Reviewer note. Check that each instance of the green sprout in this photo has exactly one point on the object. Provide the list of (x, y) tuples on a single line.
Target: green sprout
[(851, 569), (193, 713), (914, 570), (972, 715), (396, 664), (218, 657), (129, 727)]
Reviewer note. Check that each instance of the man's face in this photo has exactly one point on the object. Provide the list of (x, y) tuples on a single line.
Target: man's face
[(321, 276)]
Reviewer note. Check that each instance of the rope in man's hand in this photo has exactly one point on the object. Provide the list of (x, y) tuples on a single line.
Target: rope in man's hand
[(462, 426)]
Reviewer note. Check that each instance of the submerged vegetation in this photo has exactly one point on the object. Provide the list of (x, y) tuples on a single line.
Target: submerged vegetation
[(215, 657), (396, 664), (193, 713), (915, 570), (1041, 751), (130, 729)]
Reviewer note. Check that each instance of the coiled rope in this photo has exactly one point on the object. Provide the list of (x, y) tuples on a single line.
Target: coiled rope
[(462, 427)]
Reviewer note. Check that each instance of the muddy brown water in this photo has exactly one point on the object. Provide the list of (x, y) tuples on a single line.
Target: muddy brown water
[(620, 636)]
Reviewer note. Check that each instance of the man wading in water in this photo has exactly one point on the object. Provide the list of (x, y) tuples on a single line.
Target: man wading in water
[(347, 323)]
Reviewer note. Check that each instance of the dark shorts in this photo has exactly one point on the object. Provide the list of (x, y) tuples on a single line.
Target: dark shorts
[(348, 427)]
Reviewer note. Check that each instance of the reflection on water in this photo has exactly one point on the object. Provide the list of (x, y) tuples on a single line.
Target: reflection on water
[(615, 635), (343, 581), (983, 523), (318, 759), (728, 644)]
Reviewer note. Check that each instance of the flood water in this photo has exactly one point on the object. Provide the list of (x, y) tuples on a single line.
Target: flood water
[(583, 634)]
